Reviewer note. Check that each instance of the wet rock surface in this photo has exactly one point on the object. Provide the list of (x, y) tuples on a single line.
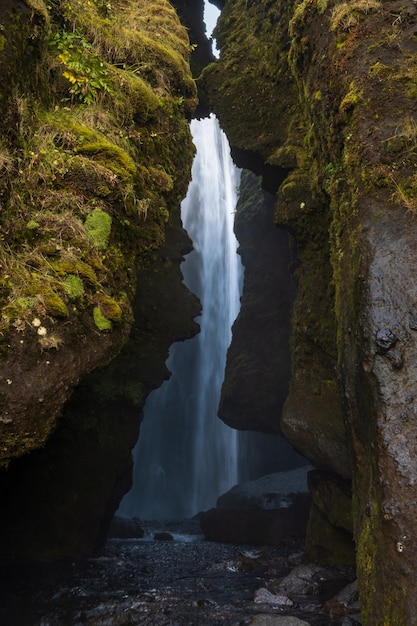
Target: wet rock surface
[(184, 582), (268, 510), (272, 491), (258, 526)]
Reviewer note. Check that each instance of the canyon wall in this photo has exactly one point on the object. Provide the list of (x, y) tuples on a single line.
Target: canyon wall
[(95, 157), (328, 92)]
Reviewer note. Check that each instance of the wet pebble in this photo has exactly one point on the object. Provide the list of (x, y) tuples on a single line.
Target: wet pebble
[(263, 596), (302, 580)]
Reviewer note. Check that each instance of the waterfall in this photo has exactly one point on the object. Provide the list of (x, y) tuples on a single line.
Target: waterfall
[(186, 456)]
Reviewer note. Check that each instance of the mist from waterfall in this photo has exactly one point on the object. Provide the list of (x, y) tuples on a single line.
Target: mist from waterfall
[(186, 456)]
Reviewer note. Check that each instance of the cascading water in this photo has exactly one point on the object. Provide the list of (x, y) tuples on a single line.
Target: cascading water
[(186, 457)]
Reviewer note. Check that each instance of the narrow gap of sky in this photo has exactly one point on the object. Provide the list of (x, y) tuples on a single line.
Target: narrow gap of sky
[(211, 15)]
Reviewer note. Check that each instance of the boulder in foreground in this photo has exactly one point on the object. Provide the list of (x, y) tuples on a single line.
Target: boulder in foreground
[(271, 510)]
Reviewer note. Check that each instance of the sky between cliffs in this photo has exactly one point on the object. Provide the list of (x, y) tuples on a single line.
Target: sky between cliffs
[(211, 15)]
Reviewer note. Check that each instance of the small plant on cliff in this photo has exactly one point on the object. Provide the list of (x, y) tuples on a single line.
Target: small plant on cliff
[(86, 73), (73, 286), (406, 196)]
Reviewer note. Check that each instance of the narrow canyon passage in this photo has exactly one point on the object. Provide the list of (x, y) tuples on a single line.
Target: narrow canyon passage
[(186, 457), (252, 341)]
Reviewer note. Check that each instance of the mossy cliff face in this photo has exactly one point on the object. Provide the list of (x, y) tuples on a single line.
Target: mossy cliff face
[(350, 136), (95, 156), (267, 121)]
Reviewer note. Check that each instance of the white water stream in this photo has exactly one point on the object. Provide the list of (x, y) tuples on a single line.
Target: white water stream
[(186, 456)]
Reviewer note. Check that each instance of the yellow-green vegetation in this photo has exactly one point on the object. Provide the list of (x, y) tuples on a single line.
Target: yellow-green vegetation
[(100, 320), (106, 312), (98, 227), (73, 286), (346, 16), (101, 154)]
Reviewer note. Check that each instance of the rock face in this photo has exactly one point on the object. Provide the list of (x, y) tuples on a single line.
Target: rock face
[(251, 400), (330, 527), (270, 510), (70, 488), (273, 491), (328, 90)]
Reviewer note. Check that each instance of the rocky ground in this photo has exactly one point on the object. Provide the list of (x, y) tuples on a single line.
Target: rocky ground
[(182, 580)]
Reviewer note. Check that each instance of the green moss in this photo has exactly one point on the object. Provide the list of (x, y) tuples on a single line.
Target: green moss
[(32, 225), (73, 286), (351, 99), (75, 266), (133, 97), (25, 303), (54, 304), (111, 156), (109, 308), (253, 62), (100, 321), (98, 227)]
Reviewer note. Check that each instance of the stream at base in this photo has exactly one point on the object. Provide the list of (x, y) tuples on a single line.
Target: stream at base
[(184, 582)]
